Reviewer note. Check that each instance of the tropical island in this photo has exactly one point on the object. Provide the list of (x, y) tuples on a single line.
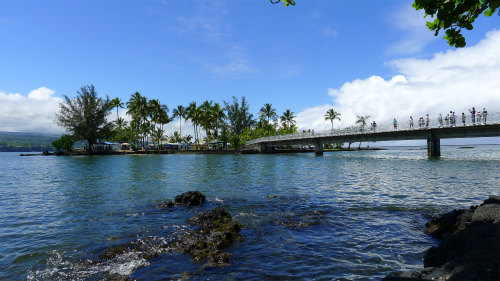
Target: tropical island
[(223, 128)]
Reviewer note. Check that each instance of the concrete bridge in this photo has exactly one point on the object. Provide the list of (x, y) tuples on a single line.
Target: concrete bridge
[(432, 133)]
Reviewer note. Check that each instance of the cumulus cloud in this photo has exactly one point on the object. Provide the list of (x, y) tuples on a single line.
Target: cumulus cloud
[(32, 113), (455, 80)]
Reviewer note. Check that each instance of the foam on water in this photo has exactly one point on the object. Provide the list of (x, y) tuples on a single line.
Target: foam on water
[(125, 264), (356, 215)]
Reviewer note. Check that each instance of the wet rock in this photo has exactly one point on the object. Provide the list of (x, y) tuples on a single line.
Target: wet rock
[(470, 254), (487, 213), (430, 273), (469, 249), (210, 219), (493, 199), (216, 231), (112, 252), (449, 223), (188, 198), (298, 220)]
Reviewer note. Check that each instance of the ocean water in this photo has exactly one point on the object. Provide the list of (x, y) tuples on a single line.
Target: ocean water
[(340, 216)]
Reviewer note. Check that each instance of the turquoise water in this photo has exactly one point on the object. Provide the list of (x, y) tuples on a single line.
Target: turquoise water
[(344, 215)]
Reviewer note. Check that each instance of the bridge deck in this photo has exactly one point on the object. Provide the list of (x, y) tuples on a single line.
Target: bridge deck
[(489, 130)]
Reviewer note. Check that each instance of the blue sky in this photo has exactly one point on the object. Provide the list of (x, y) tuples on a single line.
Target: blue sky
[(181, 51)]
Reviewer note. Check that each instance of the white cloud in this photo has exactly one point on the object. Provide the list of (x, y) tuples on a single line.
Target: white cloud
[(32, 113), (412, 23), (238, 63), (455, 80), (41, 94), (290, 71), (330, 32), (235, 66)]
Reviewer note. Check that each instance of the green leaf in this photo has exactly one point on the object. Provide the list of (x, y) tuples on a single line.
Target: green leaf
[(489, 12)]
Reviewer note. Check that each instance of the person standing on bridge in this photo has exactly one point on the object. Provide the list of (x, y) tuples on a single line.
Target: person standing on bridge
[(374, 126), (464, 118), (427, 121), (395, 123), (485, 113), (478, 117), (473, 115), (411, 123), (440, 120), (447, 120)]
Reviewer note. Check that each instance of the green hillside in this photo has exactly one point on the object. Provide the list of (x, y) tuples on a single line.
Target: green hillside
[(25, 142)]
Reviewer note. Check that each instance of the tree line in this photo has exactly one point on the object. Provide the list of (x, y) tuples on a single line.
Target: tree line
[(86, 118)]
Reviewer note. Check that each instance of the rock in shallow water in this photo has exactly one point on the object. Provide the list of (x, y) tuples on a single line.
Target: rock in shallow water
[(470, 248), (188, 198), (217, 231)]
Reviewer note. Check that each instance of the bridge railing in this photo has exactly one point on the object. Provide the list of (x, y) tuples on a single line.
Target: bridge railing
[(434, 122)]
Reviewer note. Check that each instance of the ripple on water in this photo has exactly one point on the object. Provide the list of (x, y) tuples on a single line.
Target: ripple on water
[(347, 215)]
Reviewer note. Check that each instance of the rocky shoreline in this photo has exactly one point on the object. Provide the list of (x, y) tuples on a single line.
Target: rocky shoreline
[(214, 232), (468, 249)]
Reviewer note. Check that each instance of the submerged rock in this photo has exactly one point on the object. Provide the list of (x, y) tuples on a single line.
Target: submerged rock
[(299, 219), (188, 198), (211, 219), (217, 231)]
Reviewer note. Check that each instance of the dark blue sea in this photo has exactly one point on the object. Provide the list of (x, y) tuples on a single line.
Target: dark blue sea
[(341, 216)]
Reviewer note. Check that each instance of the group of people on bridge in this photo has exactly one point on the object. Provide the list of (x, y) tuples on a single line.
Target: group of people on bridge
[(477, 117)]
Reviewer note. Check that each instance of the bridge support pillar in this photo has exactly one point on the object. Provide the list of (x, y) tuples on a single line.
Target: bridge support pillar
[(266, 148), (318, 147), (433, 145)]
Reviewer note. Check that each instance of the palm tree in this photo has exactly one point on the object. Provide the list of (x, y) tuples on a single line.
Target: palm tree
[(121, 123), (117, 102), (331, 115), (267, 111), (158, 136), (154, 108), (194, 114), (180, 112), (362, 121), (219, 116), (207, 118), (163, 116), (138, 109), (176, 137), (288, 118)]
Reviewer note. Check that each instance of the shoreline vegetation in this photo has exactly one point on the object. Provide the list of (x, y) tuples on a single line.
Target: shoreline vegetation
[(190, 151), (220, 126)]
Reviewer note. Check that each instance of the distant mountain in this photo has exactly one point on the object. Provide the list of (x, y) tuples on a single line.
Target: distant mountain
[(25, 142)]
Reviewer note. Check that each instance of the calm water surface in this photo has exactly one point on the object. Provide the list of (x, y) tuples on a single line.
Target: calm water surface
[(345, 215)]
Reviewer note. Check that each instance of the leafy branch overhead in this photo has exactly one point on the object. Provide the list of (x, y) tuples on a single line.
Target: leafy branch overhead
[(287, 2), (450, 15), (453, 15)]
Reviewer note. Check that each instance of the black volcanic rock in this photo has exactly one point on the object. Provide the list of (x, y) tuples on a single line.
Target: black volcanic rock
[(217, 231), (188, 198), (469, 249)]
